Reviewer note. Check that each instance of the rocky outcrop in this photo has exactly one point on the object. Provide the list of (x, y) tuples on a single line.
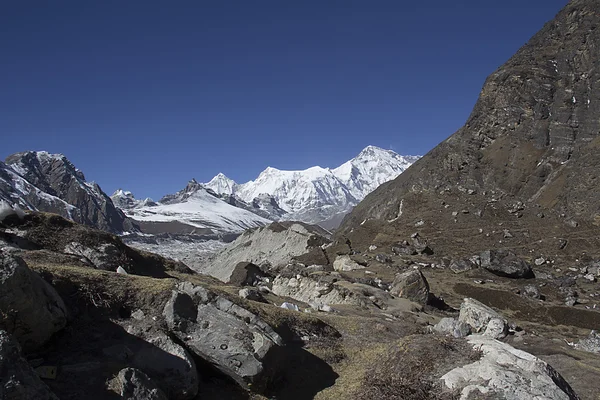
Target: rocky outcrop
[(246, 274), (476, 314), (94, 248), (18, 381), (236, 341), (133, 384), (56, 177), (274, 244), (451, 326), (321, 289), (532, 137), (345, 263), (166, 362), (30, 309), (507, 373), (590, 343)]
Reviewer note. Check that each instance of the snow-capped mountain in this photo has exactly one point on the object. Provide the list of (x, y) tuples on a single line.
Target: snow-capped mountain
[(193, 207), (221, 184), (372, 167), (38, 180), (125, 200), (317, 194)]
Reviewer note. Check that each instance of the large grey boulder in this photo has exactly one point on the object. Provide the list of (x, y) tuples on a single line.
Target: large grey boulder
[(133, 384), (411, 285), (504, 372), (228, 336), (505, 263), (30, 309), (18, 381), (476, 314), (321, 289)]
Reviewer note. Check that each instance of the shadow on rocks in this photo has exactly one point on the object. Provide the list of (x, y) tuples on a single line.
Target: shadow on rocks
[(301, 374), (91, 352)]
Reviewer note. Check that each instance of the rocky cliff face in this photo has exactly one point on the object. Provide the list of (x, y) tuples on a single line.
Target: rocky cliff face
[(55, 185), (533, 135)]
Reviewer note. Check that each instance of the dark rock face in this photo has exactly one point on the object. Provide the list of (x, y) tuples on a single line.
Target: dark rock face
[(246, 274), (57, 176), (30, 309), (133, 384), (533, 135), (17, 379), (505, 263)]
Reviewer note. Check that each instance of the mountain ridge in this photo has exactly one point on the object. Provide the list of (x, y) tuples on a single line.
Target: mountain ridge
[(316, 194), (530, 144), (40, 181)]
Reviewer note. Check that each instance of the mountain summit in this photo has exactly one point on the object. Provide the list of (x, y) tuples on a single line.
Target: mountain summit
[(318, 194)]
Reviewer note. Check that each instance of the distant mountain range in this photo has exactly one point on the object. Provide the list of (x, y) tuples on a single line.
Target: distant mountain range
[(50, 182), (314, 195)]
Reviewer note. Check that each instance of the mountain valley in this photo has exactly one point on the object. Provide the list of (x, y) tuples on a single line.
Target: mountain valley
[(471, 272)]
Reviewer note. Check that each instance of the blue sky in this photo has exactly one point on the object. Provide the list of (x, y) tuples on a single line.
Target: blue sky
[(145, 95)]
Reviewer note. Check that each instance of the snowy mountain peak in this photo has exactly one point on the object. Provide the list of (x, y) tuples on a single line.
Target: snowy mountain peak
[(221, 184), (317, 193), (122, 193)]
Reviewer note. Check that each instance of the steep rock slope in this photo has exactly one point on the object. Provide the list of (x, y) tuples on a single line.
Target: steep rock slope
[(532, 136), (50, 182), (14, 189)]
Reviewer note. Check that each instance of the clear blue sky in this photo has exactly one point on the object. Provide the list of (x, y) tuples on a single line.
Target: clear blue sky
[(145, 95)]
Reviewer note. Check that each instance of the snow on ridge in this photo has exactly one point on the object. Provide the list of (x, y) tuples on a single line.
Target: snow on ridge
[(311, 195), (202, 210), (297, 191)]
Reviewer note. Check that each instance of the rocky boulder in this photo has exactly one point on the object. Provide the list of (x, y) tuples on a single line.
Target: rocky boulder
[(246, 274), (462, 265), (505, 263), (451, 326), (590, 344), (105, 256), (496, 328), (30, 309), (133, 384), (507, 373), (231, 338), (476, 314), (18, 381), (321, 289), (345, 263), (411, 285)]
